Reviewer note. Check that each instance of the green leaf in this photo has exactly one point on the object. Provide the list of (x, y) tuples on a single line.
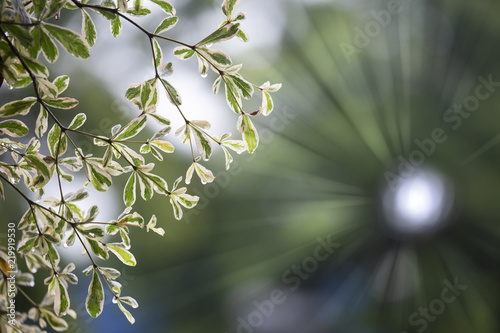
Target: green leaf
[(183, 52), (145, 149), (39, 164), (95, 298), (172, 93), (79, 195), (156, 153), (206, 176), (48, 217), (108, 156), (166, 69), (92, 213), (61, 83), (131, 129), (216, 85), (78, 121), (186, 200), (145, 188), (64, 103), (26, 245), (228, 7), (133, 91), (61, 299), (99, 178), (25, 279), (166, 6), (108, 15), (49, 48), (53, 8), (122, 5), (47, 88), (228, 157), (58, 324), (203, 66), (250, 135), (238, 146), (116, 26), (16, 108), (159, 184), (158, 59), (152, 226), (166, 24), (36, 67), (88, 28), (137, 4), (233, 99), (110, 273), (26, 220), (160, 119), (98, 249), (93, 232), (56, 141), (20, 33), (203, 144), (39, 6), (72, 163), (226, 32), (14, 128), (125, 238), (129, 301), (125, 256), (267, 86), (267, 103), (243, 85), (42, 122), (176, 207), (140, 12), (161, 133), (131, 154), (126, 313), (242, 36), (216, 56), (129, 190), (164, 146), (71, 41)]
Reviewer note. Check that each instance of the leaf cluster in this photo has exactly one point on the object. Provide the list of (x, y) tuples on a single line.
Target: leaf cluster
[(29, 31)]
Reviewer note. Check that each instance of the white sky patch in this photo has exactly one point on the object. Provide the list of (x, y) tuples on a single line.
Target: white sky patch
[(420, 203)]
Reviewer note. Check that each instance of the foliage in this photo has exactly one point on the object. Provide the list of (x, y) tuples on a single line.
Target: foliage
[(28, 29)]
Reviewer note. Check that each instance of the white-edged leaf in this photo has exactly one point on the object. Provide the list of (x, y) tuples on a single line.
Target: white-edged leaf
[(13, 128), (166, 24), (166, 6), (78, 121), (95, 298), (127, 314), (183, 52), (71, 41), (250, 135), (88, 29), (158, 59), (61, 299), (15, 108), (125, 256), (42, 122), (206, 176), (129, 190), (132, 128)]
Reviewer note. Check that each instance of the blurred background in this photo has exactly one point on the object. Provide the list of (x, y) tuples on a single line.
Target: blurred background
[(371, 205)]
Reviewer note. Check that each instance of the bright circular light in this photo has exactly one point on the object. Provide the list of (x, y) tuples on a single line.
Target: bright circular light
[(418, 203)]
